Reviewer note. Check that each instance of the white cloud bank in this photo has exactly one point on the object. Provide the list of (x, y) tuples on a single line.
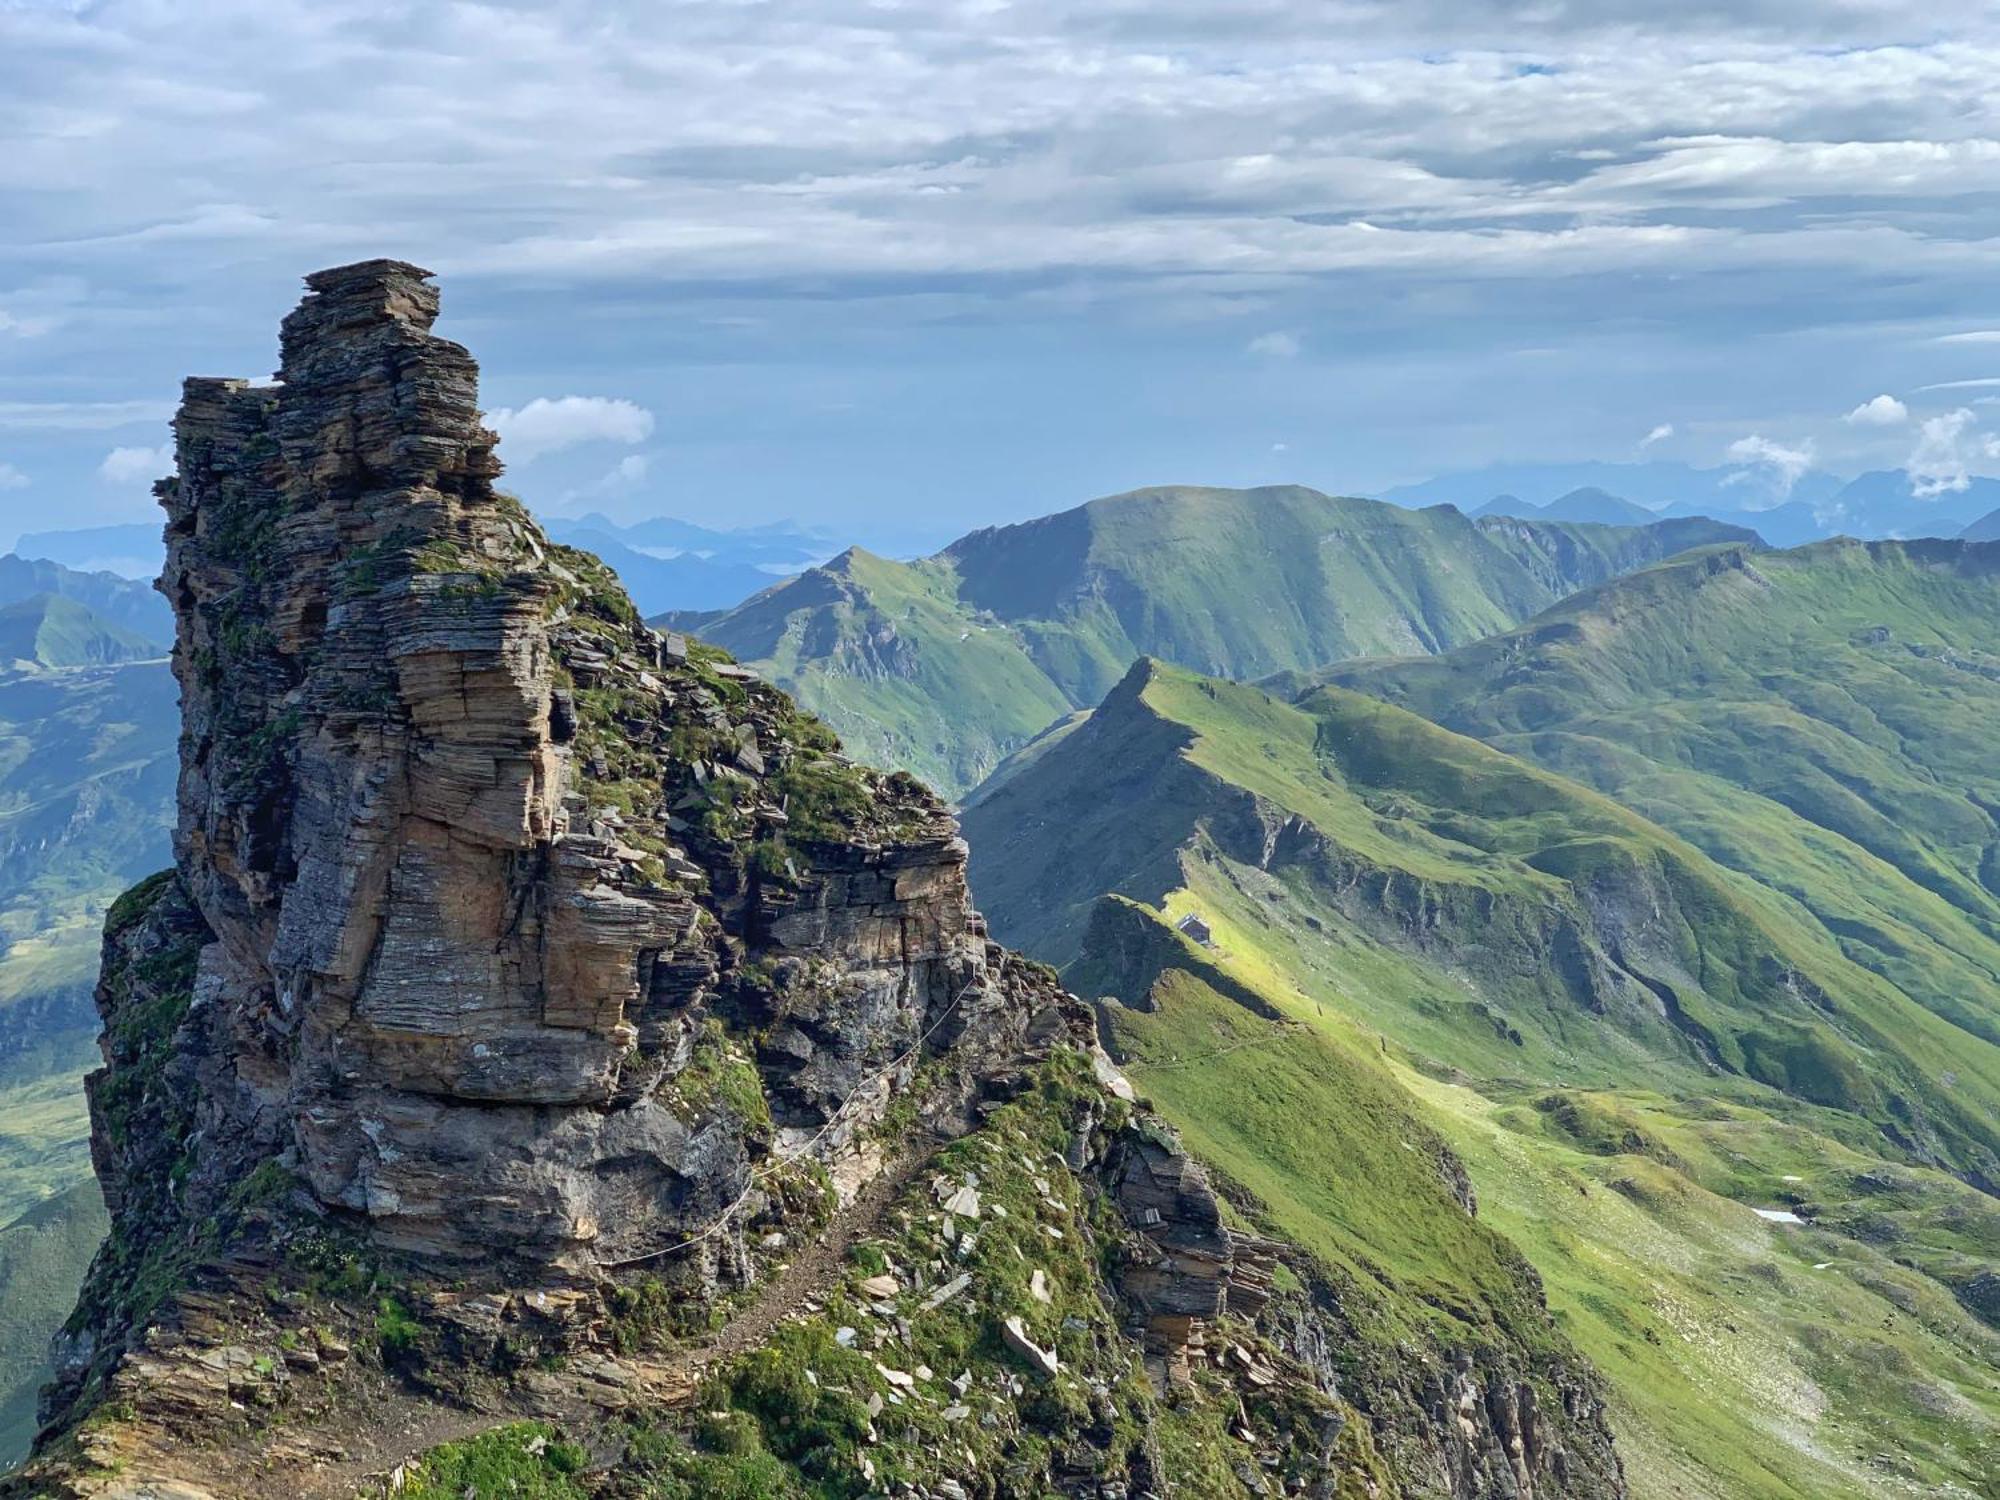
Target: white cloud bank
[(1879, 411), (1390, 176), (1659, 434), (1937, 465), (136, 465), (549, 426), (11, 478), (1783, 464), (1274, 345)]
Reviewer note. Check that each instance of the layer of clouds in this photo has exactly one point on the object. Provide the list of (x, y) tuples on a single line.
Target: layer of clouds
[(1659, 434), (549, 426), (1489, 177), (708, 139), (11, 478)]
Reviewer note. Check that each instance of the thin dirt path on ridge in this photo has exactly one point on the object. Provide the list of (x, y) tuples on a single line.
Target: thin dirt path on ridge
[(379, 1429), (810, 1276), (396, 1427)]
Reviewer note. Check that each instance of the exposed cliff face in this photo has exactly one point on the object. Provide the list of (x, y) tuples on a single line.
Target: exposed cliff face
[(475, 855), (428, 811)]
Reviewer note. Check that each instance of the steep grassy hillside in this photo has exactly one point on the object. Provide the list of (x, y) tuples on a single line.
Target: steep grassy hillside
[(42, 1254), (1630, 1047), (944, 666), (86, 805), (126, 603), (47, 630), (86, 801), (1818, 721)]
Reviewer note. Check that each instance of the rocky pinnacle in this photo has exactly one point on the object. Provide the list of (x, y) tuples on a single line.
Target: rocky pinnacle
[(461, 938)]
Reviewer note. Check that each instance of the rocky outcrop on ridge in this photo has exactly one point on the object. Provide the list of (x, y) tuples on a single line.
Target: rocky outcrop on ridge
[(530, 984), (479, 851)]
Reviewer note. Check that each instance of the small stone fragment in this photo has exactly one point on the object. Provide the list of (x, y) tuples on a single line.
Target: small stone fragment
[(1015, 1333)]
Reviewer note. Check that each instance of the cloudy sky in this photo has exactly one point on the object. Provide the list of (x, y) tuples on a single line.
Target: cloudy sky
[(907, 266)]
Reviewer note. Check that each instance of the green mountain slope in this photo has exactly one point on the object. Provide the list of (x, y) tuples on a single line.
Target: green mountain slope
[(943, 666), (42, 1256), (1818, 721), (47, 630), (1630, 1047), (126, 603), (87, 770)]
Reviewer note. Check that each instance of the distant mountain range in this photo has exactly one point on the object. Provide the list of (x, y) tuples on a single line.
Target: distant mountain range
[(1588, 504), (1881, 503), (121, 603), (131, 551), (1654, 485), (665, 563), (945, 665), (669, 564)]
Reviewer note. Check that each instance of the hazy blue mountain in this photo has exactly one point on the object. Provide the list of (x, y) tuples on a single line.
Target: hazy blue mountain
[(1792, 524), (131, 551), (662, 584), (1985, 529), (122, 602), (784, 543), (1589, 504), (1730, 488), (1883, 503), (668, 564)]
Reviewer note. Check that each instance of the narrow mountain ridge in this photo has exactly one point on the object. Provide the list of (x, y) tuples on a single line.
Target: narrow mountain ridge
[(1311, 925), (945, 665), (1815, 720)]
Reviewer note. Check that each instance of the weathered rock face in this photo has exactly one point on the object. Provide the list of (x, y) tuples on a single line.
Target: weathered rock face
[(462, 939)]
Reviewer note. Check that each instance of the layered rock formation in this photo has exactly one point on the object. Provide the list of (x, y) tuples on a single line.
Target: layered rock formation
[(532, 988), (506, 931), (428, 810)]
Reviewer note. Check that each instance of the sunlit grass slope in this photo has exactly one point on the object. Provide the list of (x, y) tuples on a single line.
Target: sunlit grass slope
[(1821, 721), (1630, 1046)]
